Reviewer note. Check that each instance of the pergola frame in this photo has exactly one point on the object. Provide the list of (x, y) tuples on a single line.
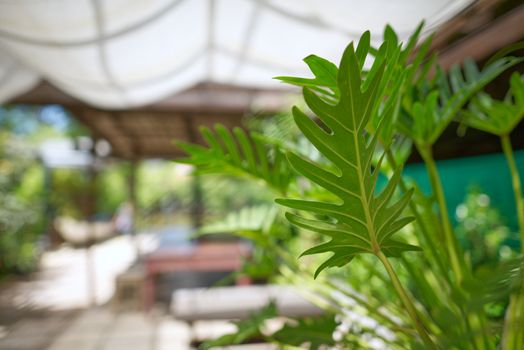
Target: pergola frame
[(148, 132)]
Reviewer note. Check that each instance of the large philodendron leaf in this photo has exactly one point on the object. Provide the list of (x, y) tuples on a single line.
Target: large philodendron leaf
[(360, 222), (405, 66), (325, 81)]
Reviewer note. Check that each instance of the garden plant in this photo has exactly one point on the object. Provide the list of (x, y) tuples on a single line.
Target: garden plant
[(377, 253)]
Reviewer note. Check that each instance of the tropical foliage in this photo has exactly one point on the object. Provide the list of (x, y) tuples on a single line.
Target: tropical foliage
[(19, 215), (382, 258)]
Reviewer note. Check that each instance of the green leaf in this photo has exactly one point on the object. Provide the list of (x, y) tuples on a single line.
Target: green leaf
[(246, 329), (248, 222), (360, 221), (325, 72), (238, 153), (317, 332), (494, 116), (429, 106)]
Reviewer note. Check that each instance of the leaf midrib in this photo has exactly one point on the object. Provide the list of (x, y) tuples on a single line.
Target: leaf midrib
[(363, 200)]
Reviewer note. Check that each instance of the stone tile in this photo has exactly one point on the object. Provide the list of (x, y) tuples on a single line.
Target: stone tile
[(31, 328), (133, 325), (78, 343), (171, 328), (171, 335), (98, 316), (172, 344), (128, 343), (24, 343)]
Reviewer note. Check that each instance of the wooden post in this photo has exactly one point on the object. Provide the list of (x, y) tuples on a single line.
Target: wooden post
[(90, 210), (48, 206), (197, 207), (131, 195)]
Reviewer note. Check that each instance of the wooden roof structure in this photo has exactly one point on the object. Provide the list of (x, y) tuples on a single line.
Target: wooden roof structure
[(147, 132)]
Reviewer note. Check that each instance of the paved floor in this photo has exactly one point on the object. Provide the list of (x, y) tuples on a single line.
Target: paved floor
[(37, 309), (100, 329), (52, 309)]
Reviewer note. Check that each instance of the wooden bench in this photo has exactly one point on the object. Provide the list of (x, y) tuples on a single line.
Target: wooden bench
[(207, 256)]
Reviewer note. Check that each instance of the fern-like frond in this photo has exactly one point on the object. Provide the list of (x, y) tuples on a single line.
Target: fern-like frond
[(430, 106), (361, 221), (238, 153), (249, 222), (497, 117)]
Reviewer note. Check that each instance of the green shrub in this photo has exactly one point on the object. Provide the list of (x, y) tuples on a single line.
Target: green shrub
[(386, 259)]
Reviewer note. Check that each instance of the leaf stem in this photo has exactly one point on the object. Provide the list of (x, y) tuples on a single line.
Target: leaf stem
[(419, 221), (515, 180), (451, 242), (406, 300), (513, 337)]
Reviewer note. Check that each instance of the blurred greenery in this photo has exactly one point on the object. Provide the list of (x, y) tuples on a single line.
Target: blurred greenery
[(223, 194), (22, 193), (482, 229), (20, 210)]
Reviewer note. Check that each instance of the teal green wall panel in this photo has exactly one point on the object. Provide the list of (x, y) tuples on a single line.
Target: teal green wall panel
[(489, 172)]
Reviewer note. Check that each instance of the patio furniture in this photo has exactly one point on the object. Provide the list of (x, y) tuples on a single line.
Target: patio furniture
[(81, 233), (205, 256), (238, 302)]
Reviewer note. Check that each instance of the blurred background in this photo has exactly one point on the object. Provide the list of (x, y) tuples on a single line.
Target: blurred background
[(97, 222)]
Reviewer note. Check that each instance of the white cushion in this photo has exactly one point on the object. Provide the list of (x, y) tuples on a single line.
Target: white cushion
[(238, 302)]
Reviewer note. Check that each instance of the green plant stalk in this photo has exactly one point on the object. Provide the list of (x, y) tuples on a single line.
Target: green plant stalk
[(418, 219), (515, 181), (406, 300), (374, 310), (513, 338), (297, 272), (422, 285), (473, 321), (386, 280), (391, 272), (451, 242)]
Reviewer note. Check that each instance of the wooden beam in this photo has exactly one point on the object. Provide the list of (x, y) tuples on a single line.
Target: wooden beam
[(204, 97), (476, 15), (44, 93), (505, 30), (88, 117)]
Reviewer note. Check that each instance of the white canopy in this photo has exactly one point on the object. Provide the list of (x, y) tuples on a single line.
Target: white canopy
[(128, 53)]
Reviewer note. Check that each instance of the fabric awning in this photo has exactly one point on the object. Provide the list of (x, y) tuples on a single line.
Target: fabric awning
[(116, 54)]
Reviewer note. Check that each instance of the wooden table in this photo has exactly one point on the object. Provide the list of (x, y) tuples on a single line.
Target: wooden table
[(206, 256)]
